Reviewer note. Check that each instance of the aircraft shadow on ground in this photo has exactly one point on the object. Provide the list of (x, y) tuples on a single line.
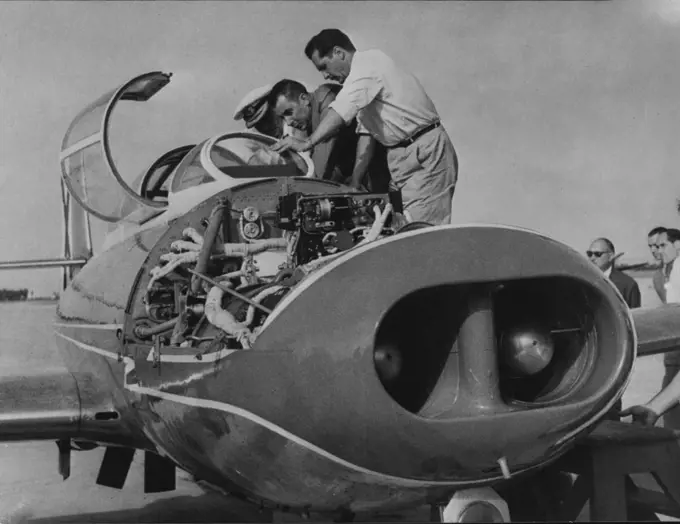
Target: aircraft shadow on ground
[(193, 509)]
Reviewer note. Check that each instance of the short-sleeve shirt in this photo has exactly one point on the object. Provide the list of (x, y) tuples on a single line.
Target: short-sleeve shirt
[(389, 103), (673, 285)]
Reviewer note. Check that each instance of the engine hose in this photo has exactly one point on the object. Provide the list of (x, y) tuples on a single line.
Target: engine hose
[(143, 331), (243, 250), (208, 242), (231, 291), (250, 315), (222, 319)]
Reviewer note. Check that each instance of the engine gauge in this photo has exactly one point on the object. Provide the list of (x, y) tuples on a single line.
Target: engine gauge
[(251, 214), (251, 230)]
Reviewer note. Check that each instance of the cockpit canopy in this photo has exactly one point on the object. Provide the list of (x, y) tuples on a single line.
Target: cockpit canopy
[(94, 181)]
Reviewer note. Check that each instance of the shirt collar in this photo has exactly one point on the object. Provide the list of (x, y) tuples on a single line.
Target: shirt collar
[(608, 271)]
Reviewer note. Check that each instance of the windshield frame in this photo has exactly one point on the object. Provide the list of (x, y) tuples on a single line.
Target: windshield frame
[(217, 174)]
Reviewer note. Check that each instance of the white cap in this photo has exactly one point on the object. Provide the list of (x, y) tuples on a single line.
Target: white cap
[(253, 106)]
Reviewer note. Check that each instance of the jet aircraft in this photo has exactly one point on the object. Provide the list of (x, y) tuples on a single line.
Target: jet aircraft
[(294, 343)]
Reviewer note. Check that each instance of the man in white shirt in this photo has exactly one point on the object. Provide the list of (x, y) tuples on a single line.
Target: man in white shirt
[(666, 402), (391, 107), (669, 247)]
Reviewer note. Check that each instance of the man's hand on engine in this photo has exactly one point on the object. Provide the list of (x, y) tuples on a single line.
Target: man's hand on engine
[(641, 415)]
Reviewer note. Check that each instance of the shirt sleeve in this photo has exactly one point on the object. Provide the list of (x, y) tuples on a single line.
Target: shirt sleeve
[(672, 292), (361, 128), (322, 153), (358, 91)]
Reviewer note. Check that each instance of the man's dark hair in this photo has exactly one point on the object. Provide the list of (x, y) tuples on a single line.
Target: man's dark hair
[(324, 42), (656, 231), (288, 88), (673, 234)]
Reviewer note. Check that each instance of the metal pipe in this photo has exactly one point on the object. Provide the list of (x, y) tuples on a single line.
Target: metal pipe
[(148, 331), (209, 241), (42, 263), (231, 291), (477, 354)]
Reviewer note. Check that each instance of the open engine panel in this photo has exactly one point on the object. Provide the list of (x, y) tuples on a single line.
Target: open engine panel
[(211, 283)]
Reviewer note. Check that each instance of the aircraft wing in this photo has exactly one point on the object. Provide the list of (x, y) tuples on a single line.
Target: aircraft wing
[(658, 329), (50, 406)]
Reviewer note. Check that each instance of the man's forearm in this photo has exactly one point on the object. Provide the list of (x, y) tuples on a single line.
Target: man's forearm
[(328, 126), (365, 149), (667, 398)]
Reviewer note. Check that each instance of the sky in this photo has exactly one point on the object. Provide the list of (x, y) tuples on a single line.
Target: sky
[(565, 115)]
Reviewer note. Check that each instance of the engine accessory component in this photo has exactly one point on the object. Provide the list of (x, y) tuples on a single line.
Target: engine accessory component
[(208, 241), (320, 214), (251, 230), (231, 291), (327, 224), (250, 316), (144, 330), (527, 349), (251, 214), (242, 250), (224, 320), (388, 362)]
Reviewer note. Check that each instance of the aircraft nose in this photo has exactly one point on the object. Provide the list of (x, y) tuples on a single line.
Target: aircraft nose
[(465, 361)]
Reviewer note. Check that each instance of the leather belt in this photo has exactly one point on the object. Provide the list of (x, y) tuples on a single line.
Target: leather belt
[(415, 136)]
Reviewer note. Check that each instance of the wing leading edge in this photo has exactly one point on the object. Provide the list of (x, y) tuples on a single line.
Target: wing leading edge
[(658, 329), (54, 406)]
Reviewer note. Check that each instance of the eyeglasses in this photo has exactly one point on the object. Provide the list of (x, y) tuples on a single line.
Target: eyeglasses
[(596, 254)]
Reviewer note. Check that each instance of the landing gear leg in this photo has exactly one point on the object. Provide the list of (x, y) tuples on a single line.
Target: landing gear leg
[(64, 446)]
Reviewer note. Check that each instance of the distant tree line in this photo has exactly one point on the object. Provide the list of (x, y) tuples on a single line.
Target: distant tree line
[(7, 295)]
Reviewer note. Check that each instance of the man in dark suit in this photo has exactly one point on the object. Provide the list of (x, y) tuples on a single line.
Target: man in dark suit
[(601, 253), (335, 158)]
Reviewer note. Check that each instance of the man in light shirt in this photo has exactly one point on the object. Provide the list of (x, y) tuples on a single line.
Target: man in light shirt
[(661, 274), (333, 158), (392, 108), (602, 253), (669, 247), (666, 402)]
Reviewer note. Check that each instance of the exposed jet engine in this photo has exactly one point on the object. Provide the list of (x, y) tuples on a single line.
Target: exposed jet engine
[(438, 358)]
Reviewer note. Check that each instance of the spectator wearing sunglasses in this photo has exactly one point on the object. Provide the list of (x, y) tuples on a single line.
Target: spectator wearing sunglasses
[(601, 253), (661, 275)]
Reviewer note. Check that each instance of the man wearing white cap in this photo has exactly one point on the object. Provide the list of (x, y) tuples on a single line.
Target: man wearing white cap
[(255, 112)]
